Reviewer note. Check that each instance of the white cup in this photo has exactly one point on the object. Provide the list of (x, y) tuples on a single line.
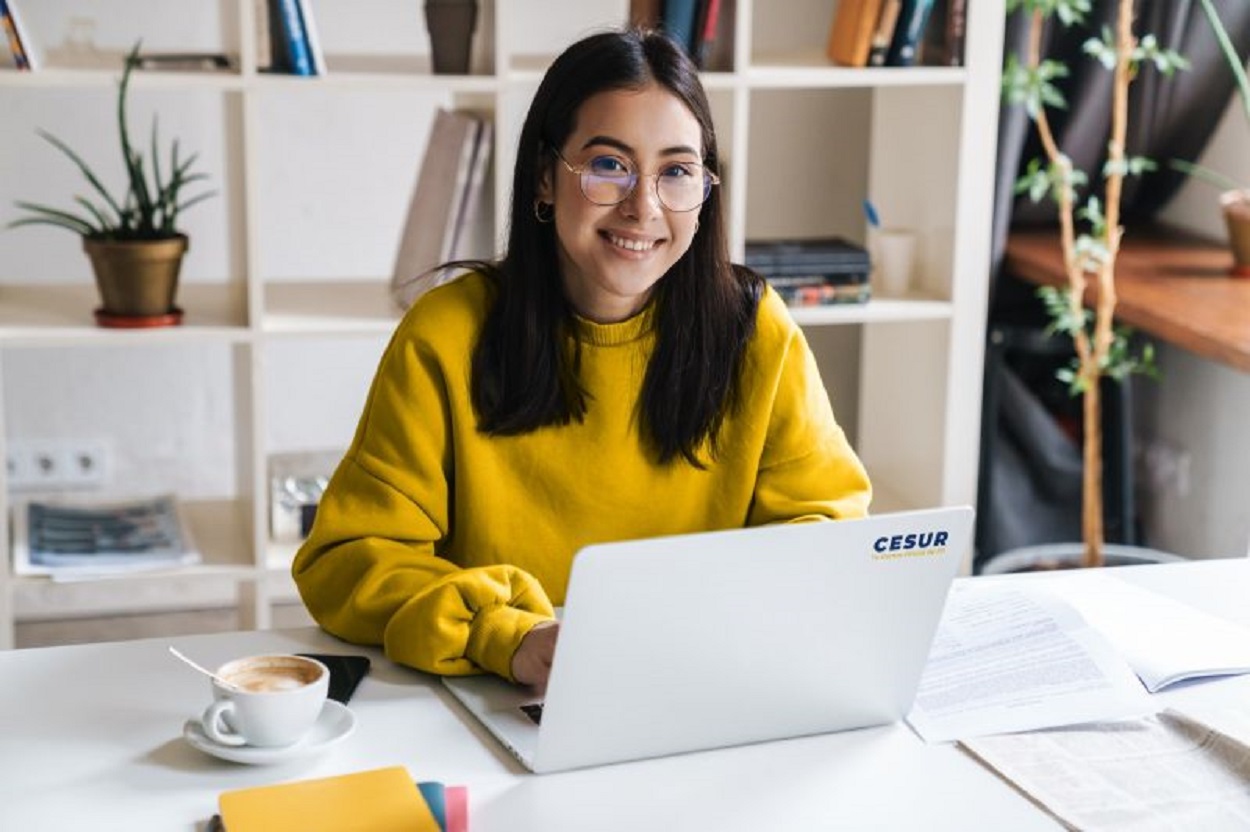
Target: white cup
[(268, 701), (895, 252)]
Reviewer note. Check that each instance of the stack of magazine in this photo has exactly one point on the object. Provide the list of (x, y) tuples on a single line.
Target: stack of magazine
[(68, 540), (813, 272)]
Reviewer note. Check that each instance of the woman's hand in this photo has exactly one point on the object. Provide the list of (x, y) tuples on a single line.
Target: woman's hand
[(531, 663)]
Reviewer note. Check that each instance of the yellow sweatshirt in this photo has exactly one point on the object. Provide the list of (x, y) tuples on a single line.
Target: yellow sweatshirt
[(447, 546)]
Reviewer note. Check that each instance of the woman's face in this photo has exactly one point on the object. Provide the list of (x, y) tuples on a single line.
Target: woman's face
[(611, 256)]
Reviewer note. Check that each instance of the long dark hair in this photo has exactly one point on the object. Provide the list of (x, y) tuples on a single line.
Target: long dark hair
[(524, 374)]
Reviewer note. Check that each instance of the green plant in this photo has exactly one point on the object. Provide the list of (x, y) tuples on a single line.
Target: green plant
[(1089, 256), (1225, 42), (150, 207)]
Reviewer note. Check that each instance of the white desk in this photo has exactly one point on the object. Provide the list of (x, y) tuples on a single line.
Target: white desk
[(90, 738)]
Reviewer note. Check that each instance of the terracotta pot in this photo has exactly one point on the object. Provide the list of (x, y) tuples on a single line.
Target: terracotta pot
[(137, 279), (1236, 206)]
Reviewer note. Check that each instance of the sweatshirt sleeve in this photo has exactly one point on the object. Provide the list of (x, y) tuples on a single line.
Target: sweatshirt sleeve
[(808, 469), (371, 570)]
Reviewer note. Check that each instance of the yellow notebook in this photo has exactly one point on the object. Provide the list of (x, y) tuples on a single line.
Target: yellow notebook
[(378, 800)]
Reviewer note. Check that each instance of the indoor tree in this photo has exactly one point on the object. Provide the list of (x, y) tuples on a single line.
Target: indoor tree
[(1089, 217)]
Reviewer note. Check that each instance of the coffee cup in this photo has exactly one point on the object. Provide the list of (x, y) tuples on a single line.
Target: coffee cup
[(266, 701)]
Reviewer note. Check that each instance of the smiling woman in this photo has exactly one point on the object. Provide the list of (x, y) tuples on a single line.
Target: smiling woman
[(612, 377)]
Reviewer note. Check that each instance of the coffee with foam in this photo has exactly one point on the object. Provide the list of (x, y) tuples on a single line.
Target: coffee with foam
[(273, 676), (266, 701)]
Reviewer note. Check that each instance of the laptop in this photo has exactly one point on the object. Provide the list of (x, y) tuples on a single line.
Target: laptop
[(699, 641)]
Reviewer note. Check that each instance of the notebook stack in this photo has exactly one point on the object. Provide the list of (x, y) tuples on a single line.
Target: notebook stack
[(813, 272)]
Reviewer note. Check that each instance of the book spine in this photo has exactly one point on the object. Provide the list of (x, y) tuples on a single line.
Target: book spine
[(10, 33), (679, 22), (850, 35), (311, 37), (886, 21), (908, 32), (710, 20), (264, 46), (293, 34), (956, 29), (20, 45)]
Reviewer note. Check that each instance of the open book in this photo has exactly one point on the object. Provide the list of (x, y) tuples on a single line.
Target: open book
[(1053, 652), (1165, 641)]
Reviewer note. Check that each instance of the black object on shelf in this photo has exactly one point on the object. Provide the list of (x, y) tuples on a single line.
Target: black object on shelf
[(451, 24)]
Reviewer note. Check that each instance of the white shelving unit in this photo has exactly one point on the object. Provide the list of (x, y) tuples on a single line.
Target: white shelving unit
[(292, 258)]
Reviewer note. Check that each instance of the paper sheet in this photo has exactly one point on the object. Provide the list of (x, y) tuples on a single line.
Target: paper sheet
[(1163, 640), (1008, 659), (1163, 772)]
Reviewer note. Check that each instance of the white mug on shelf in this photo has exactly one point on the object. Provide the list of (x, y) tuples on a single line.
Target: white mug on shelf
[(894, 261)]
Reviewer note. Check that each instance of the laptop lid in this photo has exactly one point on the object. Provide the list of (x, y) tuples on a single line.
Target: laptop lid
[(700, 641)]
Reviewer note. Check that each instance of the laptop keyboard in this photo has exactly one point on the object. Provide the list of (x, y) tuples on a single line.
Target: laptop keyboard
[(534, 712)]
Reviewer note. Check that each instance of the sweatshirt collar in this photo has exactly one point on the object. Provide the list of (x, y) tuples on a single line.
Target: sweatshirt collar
[(614, 334)]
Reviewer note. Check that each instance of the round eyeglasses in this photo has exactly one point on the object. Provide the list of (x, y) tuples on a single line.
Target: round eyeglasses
[(609, 180)]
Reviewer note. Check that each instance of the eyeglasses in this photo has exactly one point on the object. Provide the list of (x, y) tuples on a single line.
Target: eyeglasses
[(609, 180)]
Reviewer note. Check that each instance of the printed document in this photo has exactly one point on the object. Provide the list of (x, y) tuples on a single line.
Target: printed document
[(1163, 639), (1163, 772), (1017, 659)]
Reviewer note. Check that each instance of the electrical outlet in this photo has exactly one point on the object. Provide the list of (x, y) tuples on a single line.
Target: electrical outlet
[(52, 464)]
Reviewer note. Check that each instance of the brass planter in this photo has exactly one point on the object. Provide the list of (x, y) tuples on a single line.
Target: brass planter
[(136, 279), (1236, 206)]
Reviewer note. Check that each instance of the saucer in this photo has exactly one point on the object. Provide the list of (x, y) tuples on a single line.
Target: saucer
[(334, 724)]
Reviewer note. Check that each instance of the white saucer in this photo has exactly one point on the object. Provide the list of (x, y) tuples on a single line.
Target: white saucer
[(333, 725)]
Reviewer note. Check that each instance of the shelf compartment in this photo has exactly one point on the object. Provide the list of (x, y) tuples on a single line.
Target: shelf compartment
[(50, 315), (884, 310), (217, 529), (329, 307)]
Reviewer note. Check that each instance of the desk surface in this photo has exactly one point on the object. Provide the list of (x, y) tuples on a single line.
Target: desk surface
[(1172, 287), (90, 739)]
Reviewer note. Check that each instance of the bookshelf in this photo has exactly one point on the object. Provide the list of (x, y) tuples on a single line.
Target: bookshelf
[(285, 286)]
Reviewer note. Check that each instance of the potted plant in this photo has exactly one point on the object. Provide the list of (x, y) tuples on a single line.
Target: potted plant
[(1089, 252), (1234, 196), (133, 241)]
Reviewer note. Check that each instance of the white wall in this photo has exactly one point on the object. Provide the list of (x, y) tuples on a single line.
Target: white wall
[(1201, 409)]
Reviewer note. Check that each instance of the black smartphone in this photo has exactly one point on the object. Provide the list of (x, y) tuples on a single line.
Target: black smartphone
[(346, 671)]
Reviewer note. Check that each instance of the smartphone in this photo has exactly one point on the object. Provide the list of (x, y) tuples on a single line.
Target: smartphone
[(346, 671)]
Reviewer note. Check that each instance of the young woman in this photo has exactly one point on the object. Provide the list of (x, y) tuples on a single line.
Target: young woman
[(613, 376)]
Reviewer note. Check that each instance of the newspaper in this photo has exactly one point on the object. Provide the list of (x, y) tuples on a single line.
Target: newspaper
[(68, 540), (1163, 772)]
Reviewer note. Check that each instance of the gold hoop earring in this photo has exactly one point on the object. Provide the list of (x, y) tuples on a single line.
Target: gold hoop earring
[(544, 212)]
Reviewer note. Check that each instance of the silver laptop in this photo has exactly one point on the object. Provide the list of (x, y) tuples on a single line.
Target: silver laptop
[(701, 641)]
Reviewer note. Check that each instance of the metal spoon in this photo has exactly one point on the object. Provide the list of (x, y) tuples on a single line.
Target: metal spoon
[(204, 670)]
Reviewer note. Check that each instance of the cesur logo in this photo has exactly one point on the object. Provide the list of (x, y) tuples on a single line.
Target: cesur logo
[(912, 544)]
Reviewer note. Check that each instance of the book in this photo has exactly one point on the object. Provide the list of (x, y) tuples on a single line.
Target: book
[(429, 236), (288, 22), (851, 33), (956, 28), (707, 19), (264, 33), (884, 32), (185, 61), (813, 272), (473, 233), (376, 800), (646, 14), (68, 539), (25, 55), (679, 17), (312, 40), (448, 804), (909, 32)]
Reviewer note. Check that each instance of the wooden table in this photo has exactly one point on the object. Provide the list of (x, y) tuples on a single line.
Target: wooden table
[(1171, 286)]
